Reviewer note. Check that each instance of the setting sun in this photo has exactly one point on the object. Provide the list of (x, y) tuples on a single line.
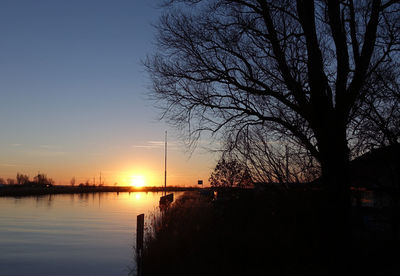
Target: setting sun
[(138, 181)]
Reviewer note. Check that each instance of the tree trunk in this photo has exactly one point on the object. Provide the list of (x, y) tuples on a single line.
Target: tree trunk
[(336, 205), (335, 168)]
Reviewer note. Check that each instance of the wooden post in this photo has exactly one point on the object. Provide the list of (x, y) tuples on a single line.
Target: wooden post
[(139, 242)]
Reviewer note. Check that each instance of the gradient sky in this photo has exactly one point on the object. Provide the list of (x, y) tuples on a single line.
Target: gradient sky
[(74, 95)]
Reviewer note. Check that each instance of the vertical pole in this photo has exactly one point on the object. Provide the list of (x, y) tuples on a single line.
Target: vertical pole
[(165, 165), (139, 243)]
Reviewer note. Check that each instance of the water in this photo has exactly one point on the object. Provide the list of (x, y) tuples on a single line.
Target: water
[(79, 234)]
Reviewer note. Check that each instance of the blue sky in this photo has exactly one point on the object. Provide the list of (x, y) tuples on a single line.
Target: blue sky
[(74, 95)]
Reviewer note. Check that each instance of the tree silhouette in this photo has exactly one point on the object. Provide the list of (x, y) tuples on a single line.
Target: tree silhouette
[(377, 121), (41, 179), (295, 69), (298, 72), (272, 162), (230, 173), (22, 179)]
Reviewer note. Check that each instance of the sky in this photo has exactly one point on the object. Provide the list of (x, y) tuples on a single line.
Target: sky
[(74, 95)]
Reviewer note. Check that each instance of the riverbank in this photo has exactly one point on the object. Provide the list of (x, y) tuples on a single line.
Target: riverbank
[(248, 233), (19, 190)]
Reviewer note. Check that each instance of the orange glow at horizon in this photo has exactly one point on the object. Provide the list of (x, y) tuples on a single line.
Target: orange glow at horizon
[(138, 181)]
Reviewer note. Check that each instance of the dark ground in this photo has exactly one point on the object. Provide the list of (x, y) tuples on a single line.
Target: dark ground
[(262, 233)]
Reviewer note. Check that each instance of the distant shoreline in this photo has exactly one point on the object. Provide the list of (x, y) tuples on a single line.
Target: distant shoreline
[(19, 191)]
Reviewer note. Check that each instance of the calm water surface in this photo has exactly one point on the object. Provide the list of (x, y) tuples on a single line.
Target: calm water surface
[(80, 234)]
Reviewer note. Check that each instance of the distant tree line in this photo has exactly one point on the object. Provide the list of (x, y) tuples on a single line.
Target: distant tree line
[(40, 179)]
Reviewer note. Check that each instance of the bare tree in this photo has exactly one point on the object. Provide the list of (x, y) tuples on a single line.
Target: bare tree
[(42, 179), (297, 69), (10, 181), (272, 161), (22, 179), (298, 72), (377, 121), (73, 181), (230, 173)]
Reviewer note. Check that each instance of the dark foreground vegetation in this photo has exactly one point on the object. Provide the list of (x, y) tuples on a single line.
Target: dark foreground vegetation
[(22, 190), (244, 232)]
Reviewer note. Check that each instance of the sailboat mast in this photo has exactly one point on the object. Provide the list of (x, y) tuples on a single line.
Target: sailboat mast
[(165, 165)]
